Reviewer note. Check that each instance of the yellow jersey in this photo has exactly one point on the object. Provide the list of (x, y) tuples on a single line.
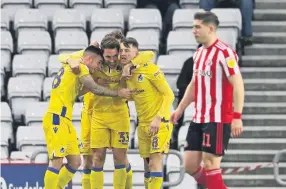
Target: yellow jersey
[(109, 104), (152, 94), (88, 99), (65, 88)]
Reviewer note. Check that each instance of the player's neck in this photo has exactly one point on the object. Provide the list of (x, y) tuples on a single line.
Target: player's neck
[(210, 42)]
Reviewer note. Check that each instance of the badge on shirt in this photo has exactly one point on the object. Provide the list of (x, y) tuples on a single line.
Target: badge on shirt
[(231, 62), (140, 78)]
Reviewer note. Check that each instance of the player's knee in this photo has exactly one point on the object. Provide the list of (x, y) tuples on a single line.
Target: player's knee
[(191, 167), (211, 161), (119, 156), (155, 162), (98, 157), (75, 162), (56, 163), (87, 162)]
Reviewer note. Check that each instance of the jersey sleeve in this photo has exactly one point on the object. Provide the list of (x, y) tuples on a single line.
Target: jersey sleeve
[(75, 55), (157, 78), (143, 57), (230, 62), (83, 70)]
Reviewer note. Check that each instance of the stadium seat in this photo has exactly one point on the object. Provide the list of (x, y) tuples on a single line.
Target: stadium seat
[(12, 6), (49, 7), (54, 65), (6, 121), (147, 40), (188, 181), (86, 6), (171, 64), (102, 19), (68, 20), (182, 135), (172, 81), (98, 35), (30, 66), (183, 19), (34, 113), (6, 49), (47, 87), (145, 19), (181, 42), (189, 113), (5, 20), (70, 41), (30, 19), (227, 37), (21, 92), (2, 81), (189, 4), (30, 139), (229, 20), (76, 115), (25, 157), (136, 145), (124, 5), (35, 42), (5, 135)]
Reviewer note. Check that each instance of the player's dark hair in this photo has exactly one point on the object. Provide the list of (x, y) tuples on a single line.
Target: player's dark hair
[(116, 34), (207, 17), (94, 50), (130, 41), (109, 43)]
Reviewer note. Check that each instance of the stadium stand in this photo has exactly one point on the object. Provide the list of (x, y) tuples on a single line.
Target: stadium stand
[(33, 33)]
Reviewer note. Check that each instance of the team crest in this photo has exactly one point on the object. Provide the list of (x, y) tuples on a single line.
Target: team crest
[(209, 62), (145, 65), (140, 78), (62, 150)]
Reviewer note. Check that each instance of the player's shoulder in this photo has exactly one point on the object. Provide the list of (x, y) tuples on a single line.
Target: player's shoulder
[(225, 49)]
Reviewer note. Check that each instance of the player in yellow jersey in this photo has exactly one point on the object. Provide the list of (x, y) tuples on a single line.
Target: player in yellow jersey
[(107, 109), (60, 135), (153, 100)]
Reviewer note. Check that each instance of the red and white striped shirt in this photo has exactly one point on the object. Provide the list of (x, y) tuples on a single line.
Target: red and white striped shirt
[(213, 91)]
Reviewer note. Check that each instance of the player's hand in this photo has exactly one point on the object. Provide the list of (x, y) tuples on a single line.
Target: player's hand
[(126, 72), (102, 82), (176, 115), (236, 127), (74, 65), (155, 126), (95, 43), (125, 93)]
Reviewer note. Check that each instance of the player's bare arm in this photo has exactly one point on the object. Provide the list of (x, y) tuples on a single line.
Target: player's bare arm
[(238, 101), (185, 102), (96, 89), (168, 97)]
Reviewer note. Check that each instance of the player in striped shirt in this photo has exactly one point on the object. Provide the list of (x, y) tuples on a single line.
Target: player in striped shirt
[(217, 91)]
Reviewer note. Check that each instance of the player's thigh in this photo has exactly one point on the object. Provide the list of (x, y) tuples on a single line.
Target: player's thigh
[(120, 133), (85, 133), (194, 137), (56, 133), (144, 141), (161, 141), (215, 138)]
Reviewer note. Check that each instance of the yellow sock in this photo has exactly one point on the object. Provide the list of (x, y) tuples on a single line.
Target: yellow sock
[(129, 177), (156, 180), (86, 179), (119, 177), (146, 179), (65, 176), (51, 178), (96, 178)]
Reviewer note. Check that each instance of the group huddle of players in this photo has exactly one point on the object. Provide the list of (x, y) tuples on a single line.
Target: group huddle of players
[(107, 76)]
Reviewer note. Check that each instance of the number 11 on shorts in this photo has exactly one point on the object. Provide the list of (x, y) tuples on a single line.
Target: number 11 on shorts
[(206, 140)]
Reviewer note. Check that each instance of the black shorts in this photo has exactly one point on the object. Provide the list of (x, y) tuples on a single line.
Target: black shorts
[(208, 137)]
